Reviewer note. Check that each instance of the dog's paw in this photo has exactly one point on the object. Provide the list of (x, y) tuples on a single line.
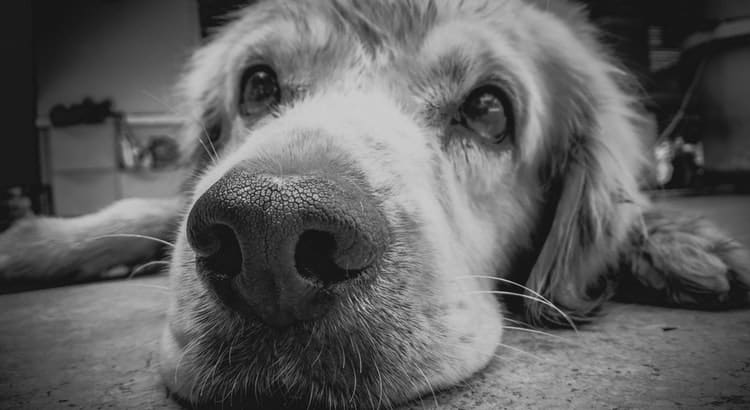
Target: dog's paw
[(688, 261), (50, 251), (27, 250)]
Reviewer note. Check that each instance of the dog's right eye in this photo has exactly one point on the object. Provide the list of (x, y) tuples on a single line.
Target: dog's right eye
[(486, 111), (260, 90)]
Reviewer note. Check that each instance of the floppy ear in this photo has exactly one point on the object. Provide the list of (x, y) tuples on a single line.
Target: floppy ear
[(598, 231), (590, 162), (596, 208)]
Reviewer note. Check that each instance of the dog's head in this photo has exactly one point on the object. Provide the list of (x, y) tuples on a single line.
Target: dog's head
[(367, 170)]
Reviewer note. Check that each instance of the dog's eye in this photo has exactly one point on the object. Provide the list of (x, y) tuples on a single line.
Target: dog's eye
[(486, 112), (260, 90)]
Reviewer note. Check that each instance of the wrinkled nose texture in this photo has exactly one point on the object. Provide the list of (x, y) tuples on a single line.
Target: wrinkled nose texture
[(274, 246)]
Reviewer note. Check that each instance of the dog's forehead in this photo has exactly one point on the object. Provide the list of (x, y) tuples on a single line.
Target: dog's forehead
[(378, 27), (402, 45)]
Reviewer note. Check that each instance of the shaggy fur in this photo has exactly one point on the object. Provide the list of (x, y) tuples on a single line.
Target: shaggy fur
[(553, 212)]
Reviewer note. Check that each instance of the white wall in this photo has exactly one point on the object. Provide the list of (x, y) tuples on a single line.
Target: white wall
[(119, 49), (130, 51)]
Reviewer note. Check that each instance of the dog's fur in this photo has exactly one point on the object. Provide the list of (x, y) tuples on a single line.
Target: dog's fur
[(557, 208)]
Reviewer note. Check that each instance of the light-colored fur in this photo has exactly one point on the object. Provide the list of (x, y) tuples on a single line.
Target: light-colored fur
[(47, 251), (374, 84)]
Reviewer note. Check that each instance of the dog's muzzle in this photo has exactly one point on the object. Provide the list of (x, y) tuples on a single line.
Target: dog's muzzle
[(284, 248)]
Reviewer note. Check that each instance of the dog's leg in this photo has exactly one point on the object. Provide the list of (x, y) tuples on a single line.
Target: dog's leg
[(44, 251), (684, 260)]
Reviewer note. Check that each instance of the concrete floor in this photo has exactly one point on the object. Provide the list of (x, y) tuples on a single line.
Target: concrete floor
[(93, 346)]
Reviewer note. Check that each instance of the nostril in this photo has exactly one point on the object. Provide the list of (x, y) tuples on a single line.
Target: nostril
[(225, 257), (314, 258)]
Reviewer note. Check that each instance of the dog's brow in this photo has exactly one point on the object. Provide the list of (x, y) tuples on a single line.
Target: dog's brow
[(451, 72), (375, 25)]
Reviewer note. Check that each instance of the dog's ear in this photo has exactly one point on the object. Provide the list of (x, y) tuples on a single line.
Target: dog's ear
[(590, 162), (594, 207)]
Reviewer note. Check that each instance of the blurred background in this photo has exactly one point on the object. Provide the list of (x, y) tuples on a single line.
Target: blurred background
[(89, 116)]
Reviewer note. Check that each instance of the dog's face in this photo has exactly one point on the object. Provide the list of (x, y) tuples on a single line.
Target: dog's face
[(366, 170)]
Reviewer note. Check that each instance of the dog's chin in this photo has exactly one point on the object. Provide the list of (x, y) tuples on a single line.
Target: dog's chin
[(338, 378), (330, 386), (363, 353)]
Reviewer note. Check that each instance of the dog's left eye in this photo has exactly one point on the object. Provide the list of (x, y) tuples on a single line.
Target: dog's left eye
[(486, 112), (260, 90)]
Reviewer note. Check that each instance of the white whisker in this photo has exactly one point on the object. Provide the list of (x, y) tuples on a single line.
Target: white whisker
[(503, 280), (496, 355), (212, 154), (532, 298), (429, 385), (519, 350), (146, 265), (516, 321), (539, 332), (141, 285), (133, 235), (539, 297), (380, 385)]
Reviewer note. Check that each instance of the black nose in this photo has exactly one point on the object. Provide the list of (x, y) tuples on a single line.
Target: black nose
[(274, 246)]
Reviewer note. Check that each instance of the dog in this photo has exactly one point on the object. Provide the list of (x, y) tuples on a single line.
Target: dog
[(370, 178)]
